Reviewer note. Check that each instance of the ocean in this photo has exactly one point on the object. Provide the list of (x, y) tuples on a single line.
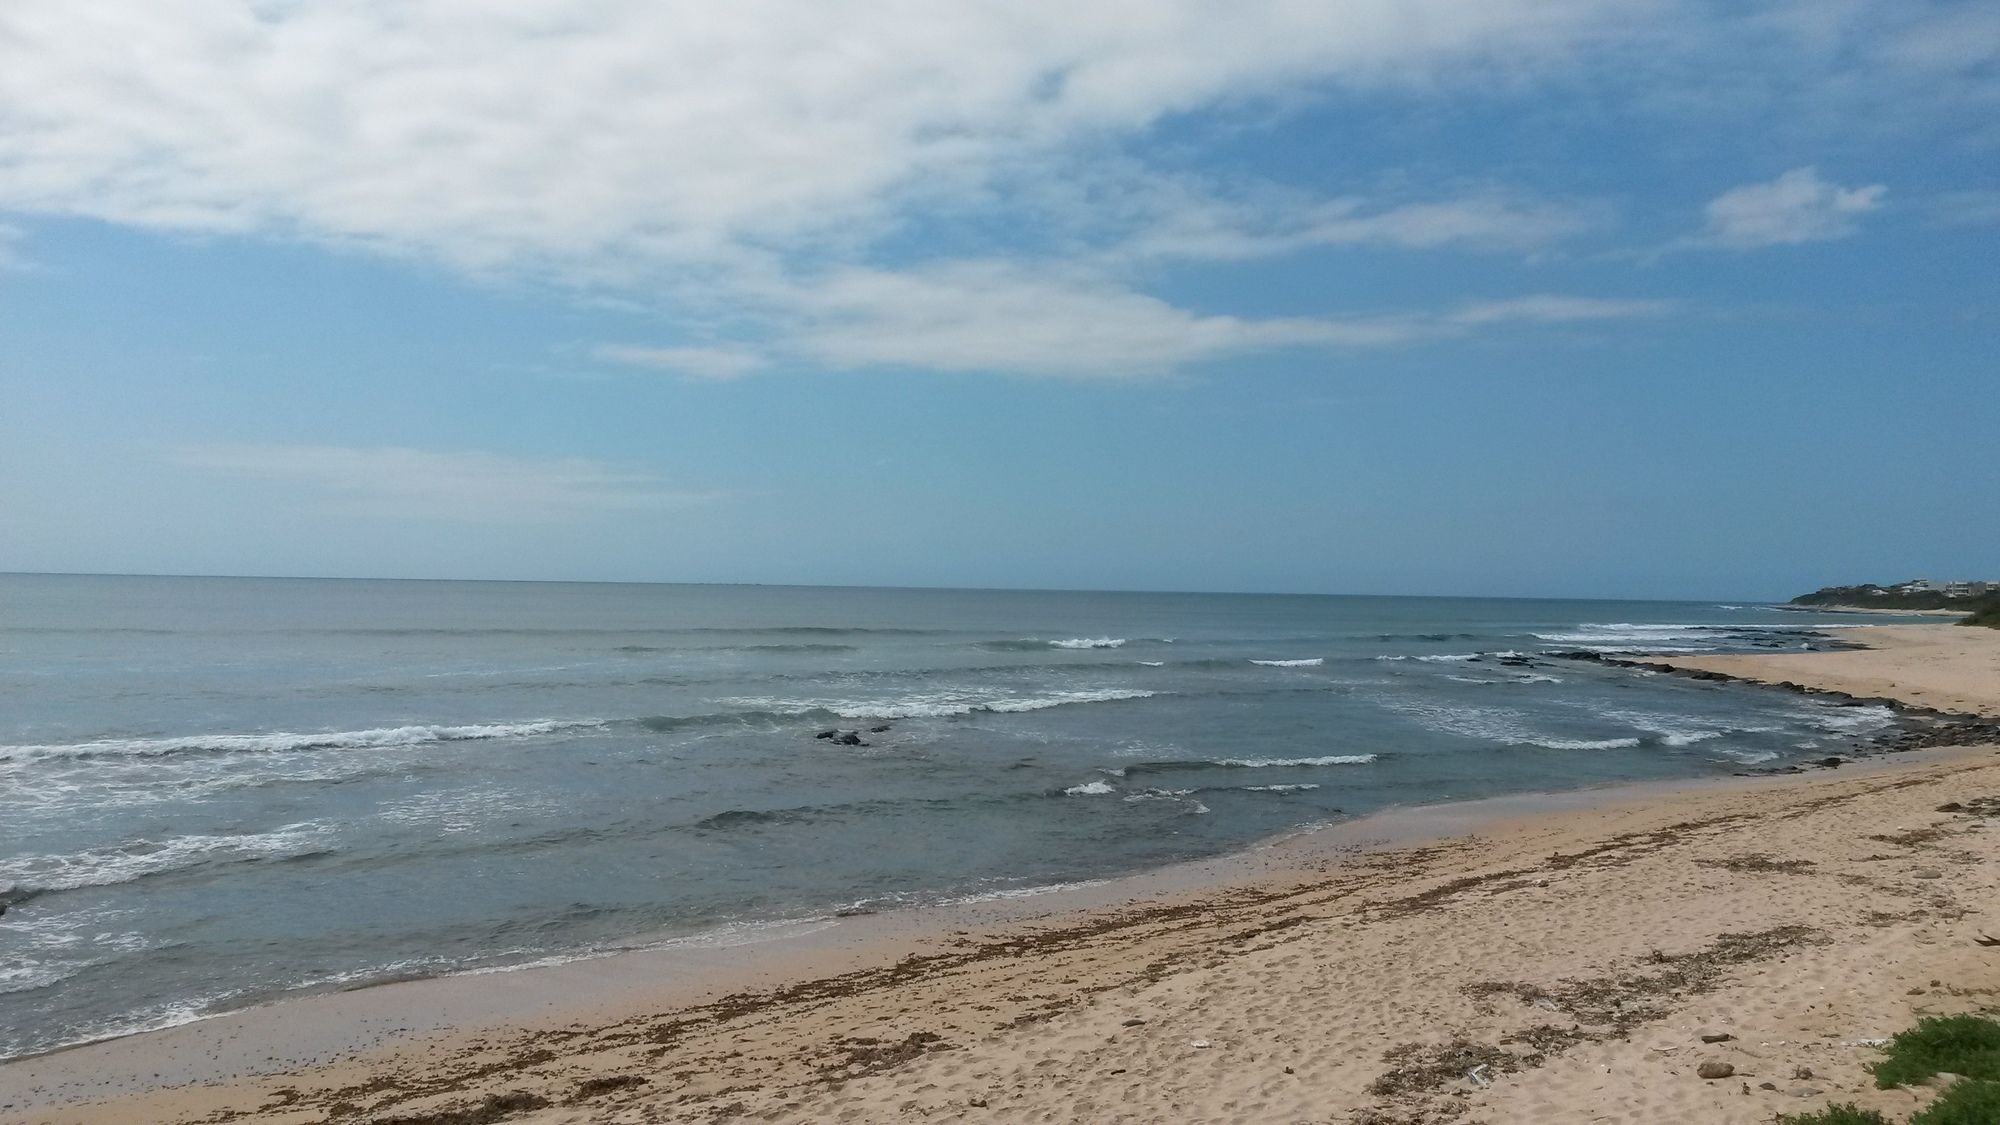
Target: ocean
[(218, 791)]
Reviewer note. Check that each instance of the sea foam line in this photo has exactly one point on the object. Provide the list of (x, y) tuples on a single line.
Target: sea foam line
[(30, 876), (1308, 662), (283, 741), (1326, 760), (943, 704)]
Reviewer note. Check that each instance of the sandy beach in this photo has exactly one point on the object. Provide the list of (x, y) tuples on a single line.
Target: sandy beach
[(1943, 667), (1550, 959)]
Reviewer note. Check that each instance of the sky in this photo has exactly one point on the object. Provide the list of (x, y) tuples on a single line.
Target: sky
[(1652, 298)]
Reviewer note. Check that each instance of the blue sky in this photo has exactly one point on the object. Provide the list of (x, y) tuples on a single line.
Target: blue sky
[(1650, 298)]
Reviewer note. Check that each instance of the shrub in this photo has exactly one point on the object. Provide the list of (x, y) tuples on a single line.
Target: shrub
[(1967, 1045), (1966, 1103), (1849, 1114)]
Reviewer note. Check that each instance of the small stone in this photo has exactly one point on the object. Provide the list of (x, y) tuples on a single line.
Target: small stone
[(1802, 1072), (1135, 1021), (976, 1103), (1199, 1044), (1289, 1070), (1767, 1085), (1914, 992), (1927, 873), (1714, 1070), (1716, 1037)]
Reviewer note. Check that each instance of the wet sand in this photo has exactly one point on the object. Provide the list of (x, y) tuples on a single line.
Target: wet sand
[(1539, 958)]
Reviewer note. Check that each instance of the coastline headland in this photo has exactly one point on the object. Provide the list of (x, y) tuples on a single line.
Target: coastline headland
[(1533, 958)]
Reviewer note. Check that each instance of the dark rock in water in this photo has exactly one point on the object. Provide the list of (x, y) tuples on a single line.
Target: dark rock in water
[(829, 733), (848, 738), (878, 729), (1833, 763)]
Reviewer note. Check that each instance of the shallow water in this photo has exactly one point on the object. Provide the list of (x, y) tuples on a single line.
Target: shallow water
[(214, 791)]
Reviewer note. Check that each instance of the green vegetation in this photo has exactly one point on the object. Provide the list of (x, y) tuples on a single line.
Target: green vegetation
[(1967, 1045), (1988, 615), (1849, 1114), (1868, 595), (1966, 1103)]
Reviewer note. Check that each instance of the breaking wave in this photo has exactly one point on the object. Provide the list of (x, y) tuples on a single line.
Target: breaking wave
[(27, 877), (284, 741)]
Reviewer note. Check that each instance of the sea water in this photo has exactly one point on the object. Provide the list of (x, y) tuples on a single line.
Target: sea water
[(217, 791)]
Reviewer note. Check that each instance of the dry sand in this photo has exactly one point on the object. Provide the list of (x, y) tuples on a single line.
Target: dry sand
[(1557, 964)]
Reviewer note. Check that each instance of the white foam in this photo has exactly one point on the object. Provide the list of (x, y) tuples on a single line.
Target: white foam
[(1328, 760), (1449, 658), (1160, 795), (100, 867), (1673, 730), (1585, 743), (1091, 789), (1309, 662), (1496, 724), (282, 741), (1154, 663), (1279, 788), (1852, 720), (1090, 642), (938, 705), (1021, 892)]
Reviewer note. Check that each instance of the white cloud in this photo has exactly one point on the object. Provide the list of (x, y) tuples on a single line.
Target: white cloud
[(746, 159), (1204, 227), (992, 316), (694, 362), (1795, 208), (471, 487), (997, 316), (1553, 308), (621, 134)]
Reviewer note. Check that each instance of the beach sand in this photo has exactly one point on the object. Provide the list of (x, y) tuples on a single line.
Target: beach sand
[(1520, 960), (1950, 668)]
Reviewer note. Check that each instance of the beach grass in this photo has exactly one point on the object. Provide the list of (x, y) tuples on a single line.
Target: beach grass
[(1966, 1103), (1962, 1045), (1849, 1114)]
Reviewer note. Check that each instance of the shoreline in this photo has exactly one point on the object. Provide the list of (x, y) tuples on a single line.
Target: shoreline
[(1885, 611), (613, 1024)]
